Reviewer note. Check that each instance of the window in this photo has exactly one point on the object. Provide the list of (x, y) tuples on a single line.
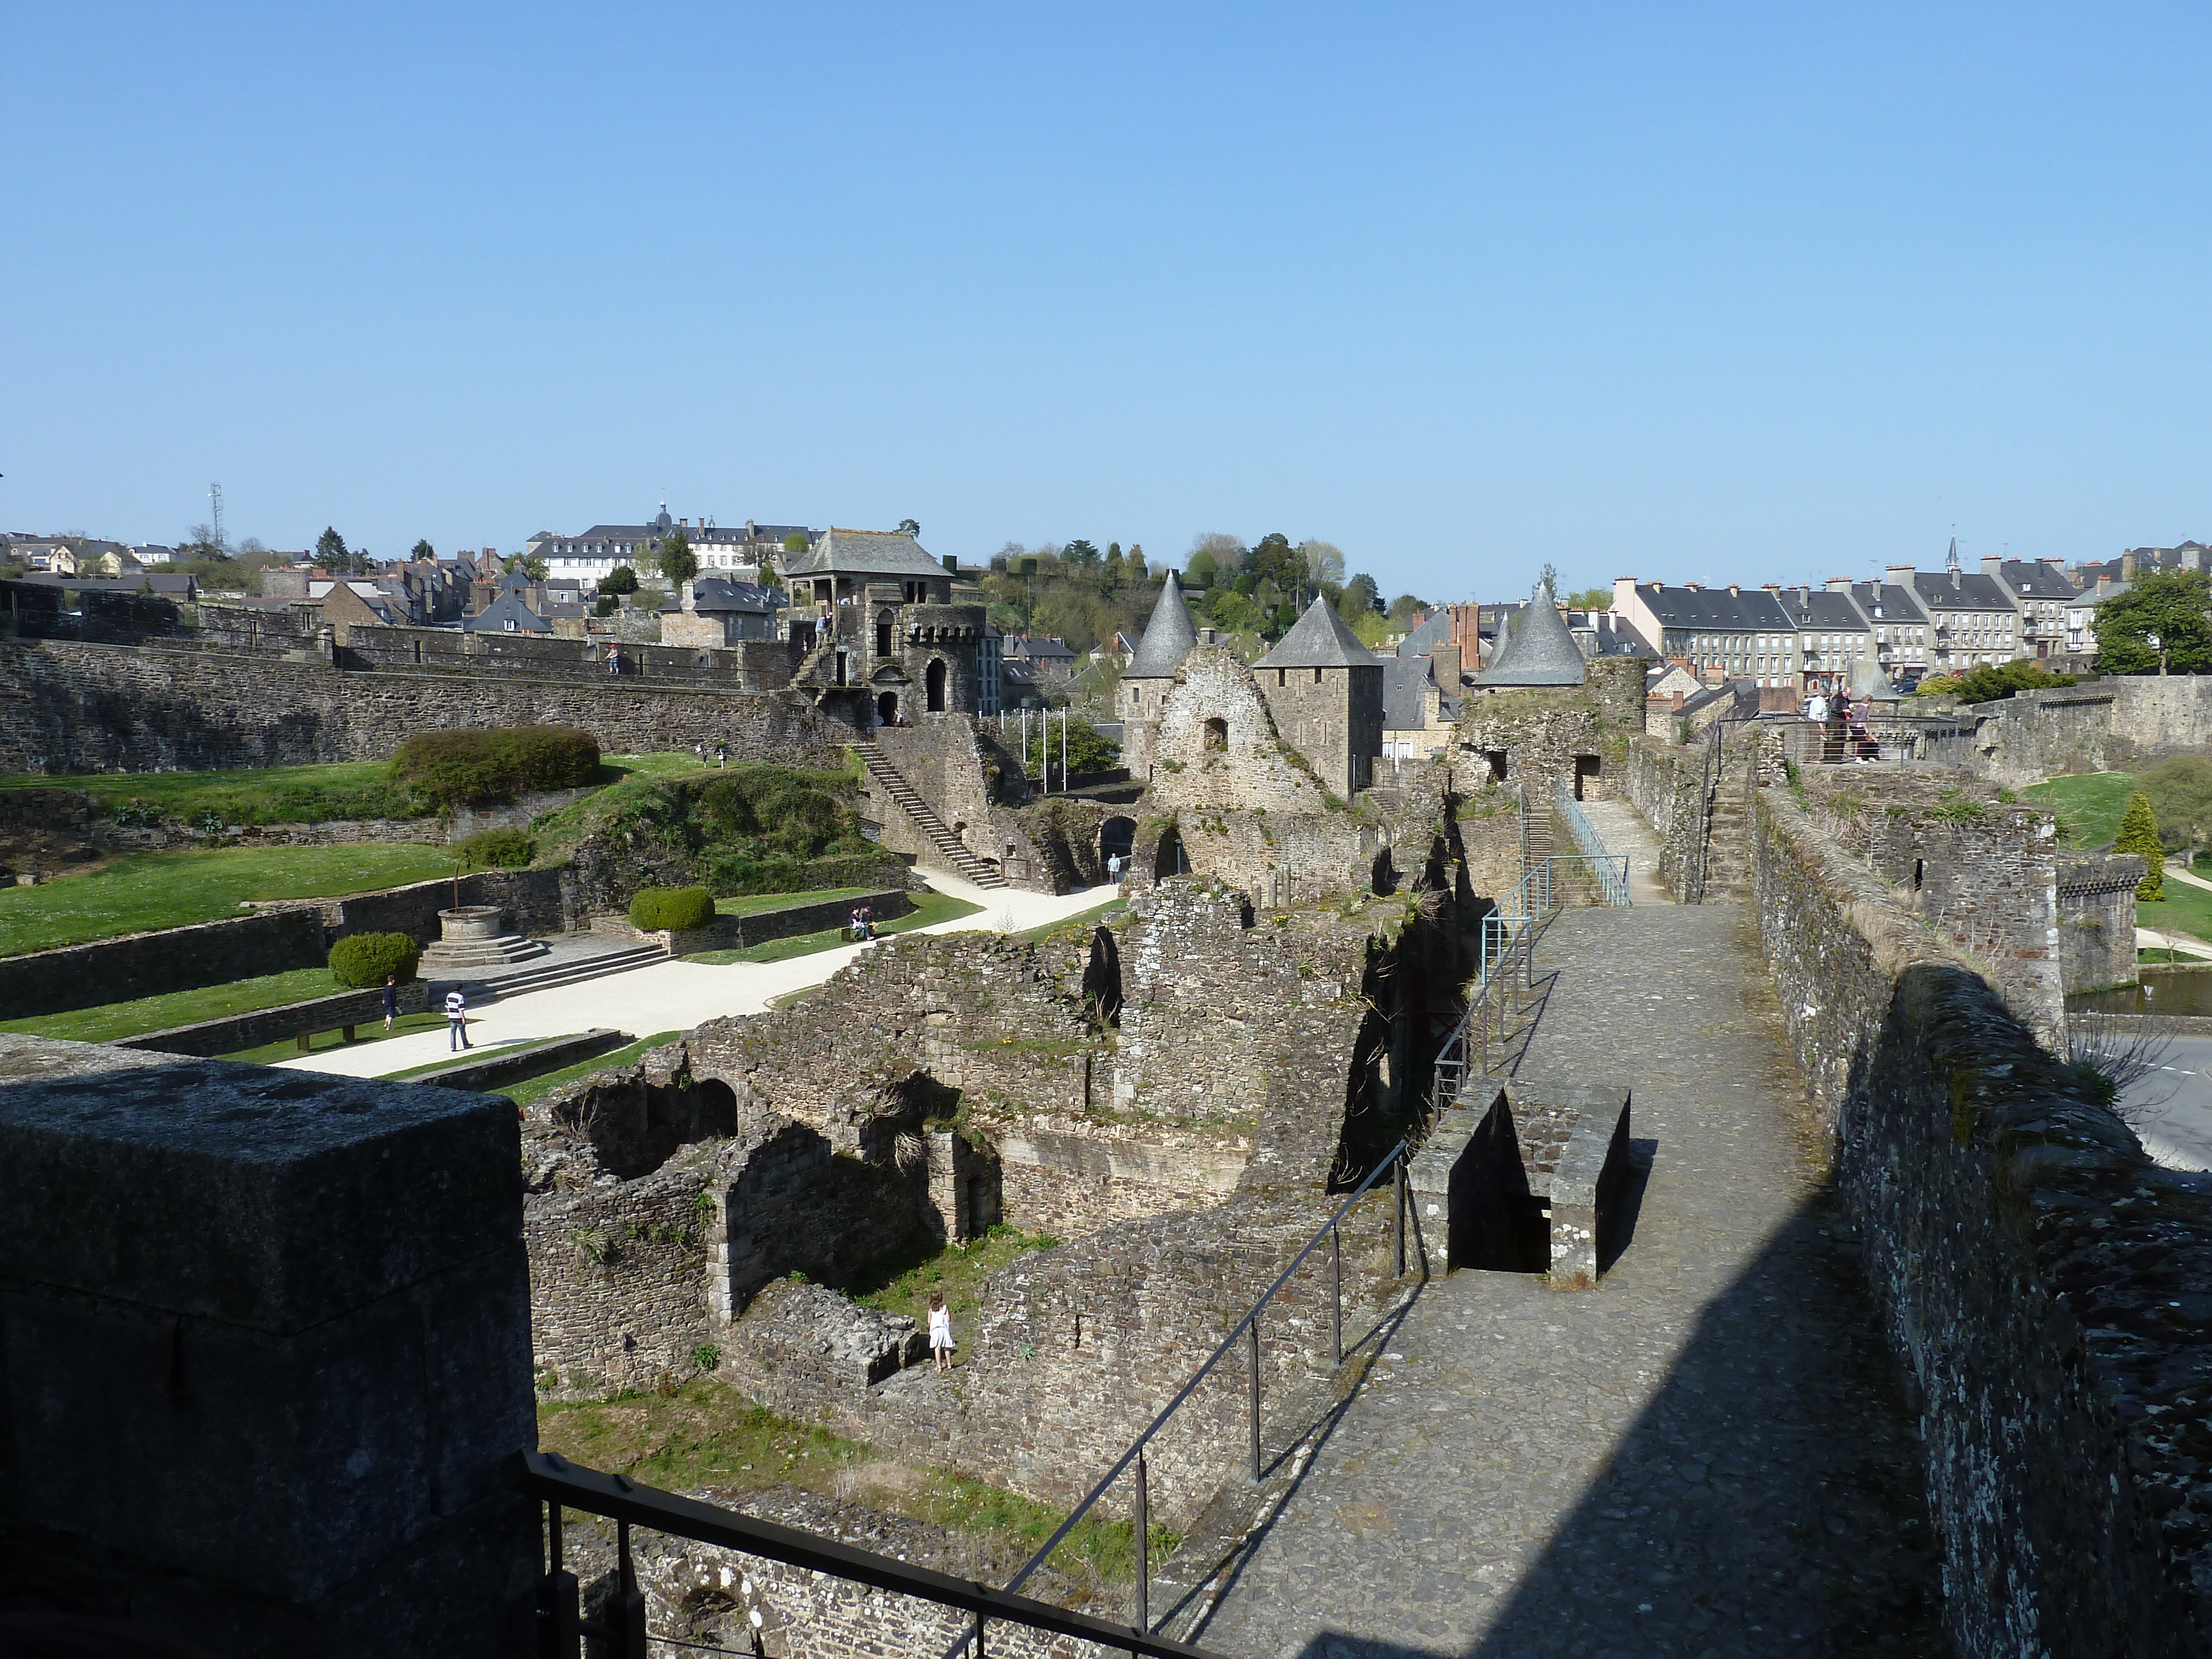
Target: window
[(1215, 734)]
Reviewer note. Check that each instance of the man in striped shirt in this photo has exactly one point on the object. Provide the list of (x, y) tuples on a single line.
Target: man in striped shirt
[(457, 1020)]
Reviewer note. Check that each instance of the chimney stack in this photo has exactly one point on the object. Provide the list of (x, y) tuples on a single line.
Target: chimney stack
[(1839, 584), (2127, 567), (1992, 564), (1900, 575)]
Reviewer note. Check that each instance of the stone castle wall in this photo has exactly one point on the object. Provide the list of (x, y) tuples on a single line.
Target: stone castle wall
[(2040, 1278), (2112, 724), (2097, 920), (1332, 716), (68, 708)]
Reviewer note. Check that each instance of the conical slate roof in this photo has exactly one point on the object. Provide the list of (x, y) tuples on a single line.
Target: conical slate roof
[(1319, 639), (1168, 637), (1541, 651)]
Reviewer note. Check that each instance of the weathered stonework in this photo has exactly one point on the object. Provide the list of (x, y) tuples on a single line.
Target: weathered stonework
[(2040, 1278)]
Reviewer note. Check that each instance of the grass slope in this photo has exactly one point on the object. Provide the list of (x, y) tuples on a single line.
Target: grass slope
[(708, 1435), (523, 1090), (112, 1020), (266, 794), (2088, 807), (148, 891), (929, 909)]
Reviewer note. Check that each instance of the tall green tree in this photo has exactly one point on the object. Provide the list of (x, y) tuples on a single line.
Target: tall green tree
[(1080, 551), (423, 550), (794, 543), (910, 527), (2139, 835), (2157, 626), (676, 559), (1361, 596), (330, 550), (620, 580)]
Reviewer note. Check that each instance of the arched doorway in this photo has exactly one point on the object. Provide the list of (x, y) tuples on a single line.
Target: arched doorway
[(887, 708), (1170, 860), (1117, 837), (1101, 977), (933, 686)]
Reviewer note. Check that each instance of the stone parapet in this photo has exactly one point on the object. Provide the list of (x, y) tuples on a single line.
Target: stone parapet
[(2040, 1278)]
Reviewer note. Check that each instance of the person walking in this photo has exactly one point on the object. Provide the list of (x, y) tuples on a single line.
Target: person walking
[(390, 1000), (1114, 869), (614, 659), (940, 1331), (457, 1020)]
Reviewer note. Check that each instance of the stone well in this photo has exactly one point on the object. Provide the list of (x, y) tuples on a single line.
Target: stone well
[(471, 923)]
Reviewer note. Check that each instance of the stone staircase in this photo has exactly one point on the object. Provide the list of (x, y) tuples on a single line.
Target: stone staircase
[(950, 847), (489, 984), (1728, 845)]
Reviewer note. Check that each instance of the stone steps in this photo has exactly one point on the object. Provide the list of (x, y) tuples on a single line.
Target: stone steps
[(909, 800), (452, 958), (572, 970)]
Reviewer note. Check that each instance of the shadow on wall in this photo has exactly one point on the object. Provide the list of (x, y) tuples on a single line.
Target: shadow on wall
[(1767, 1501)]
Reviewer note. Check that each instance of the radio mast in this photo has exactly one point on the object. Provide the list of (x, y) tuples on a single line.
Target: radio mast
[(215, 500)]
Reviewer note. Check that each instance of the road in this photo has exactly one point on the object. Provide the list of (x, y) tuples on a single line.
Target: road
[(2172, 1108)]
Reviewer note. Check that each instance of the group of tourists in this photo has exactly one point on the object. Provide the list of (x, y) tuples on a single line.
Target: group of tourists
[(1845, 734), (863, 923)]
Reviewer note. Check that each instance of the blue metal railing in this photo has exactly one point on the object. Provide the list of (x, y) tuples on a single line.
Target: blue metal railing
[(1610, 868)]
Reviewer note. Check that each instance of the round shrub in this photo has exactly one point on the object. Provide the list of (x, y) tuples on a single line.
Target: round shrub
[(498, 849), (676, 907), (470, 768), (360, 960)]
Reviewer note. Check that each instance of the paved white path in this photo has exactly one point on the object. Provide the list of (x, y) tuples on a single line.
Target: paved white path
[(676, 995)]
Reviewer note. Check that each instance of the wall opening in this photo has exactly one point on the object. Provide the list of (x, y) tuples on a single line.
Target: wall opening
[(1496, 757), (1117, 837), (933, 686), (1586, 766), (887, 708), (1101, 977), (1170, 860), (1217, 733), (882, 636)]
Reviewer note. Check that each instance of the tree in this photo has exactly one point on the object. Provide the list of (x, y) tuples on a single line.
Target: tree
[(1404, 608), (794, 543), (1223, 553), (677, 560), (1201, 570), (2139, 835), (910, 527), (528, 564), (1591, 599), (620, 580), (423, 550), (2180, 790), (1134, 559), (1361, 598), (2158, 625), (1324, 562), (330, 550), (1080, 551)]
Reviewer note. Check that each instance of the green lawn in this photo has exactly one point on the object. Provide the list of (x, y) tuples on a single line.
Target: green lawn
[(2185, 908), (112, 1020), (148, 891), (929, 909), (2088, 807), (1085, 920), (753, 903), (266, 795), (707, 1435), (371, 1030), (523, 1090)]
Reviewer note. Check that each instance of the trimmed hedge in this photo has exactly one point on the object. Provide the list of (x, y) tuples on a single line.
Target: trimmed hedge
[(470, 768), (673, 907), (360, 960), (498, 849)]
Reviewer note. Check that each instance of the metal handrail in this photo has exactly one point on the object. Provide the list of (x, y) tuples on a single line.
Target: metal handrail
[(1393, 1164), (620, 1632), (1611, 867)]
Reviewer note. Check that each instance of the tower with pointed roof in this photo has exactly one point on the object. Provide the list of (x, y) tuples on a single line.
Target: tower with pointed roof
[(1325, 691), (1540, 651), (1150, 676)]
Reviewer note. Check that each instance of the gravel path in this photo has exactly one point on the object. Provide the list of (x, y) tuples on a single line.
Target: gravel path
[(1706, 1455)]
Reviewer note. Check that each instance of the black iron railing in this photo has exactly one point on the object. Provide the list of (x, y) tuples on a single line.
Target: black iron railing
[(1247, 1329), (621, 1631)]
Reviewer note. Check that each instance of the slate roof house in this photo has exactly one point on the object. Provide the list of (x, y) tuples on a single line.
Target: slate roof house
[(1325, 690), (1044, 656), (590, 556), (1901, 629), (2043, 593), (1974, 621), (1744, 633), (712, 611), (844, 561), (506, 614)]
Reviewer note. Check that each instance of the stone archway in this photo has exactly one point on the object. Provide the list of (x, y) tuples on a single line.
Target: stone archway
[(933, 686), (1116, 835), (887, 708)]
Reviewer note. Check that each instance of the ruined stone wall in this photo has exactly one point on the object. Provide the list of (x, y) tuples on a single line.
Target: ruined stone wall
[(1666, 786), (2113, 724), (1981, 874), (2040, 1278), (1541, 732), (153, 964), (67, 708), (2097, 920)]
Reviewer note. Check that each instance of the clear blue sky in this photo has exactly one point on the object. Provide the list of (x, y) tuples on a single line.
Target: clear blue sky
[(1728, 293)]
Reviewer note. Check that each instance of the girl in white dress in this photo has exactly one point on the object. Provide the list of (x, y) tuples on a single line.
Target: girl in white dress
[(940, 1331)]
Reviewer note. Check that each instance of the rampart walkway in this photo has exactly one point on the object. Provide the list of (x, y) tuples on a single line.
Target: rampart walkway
[(1706, 1455)]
